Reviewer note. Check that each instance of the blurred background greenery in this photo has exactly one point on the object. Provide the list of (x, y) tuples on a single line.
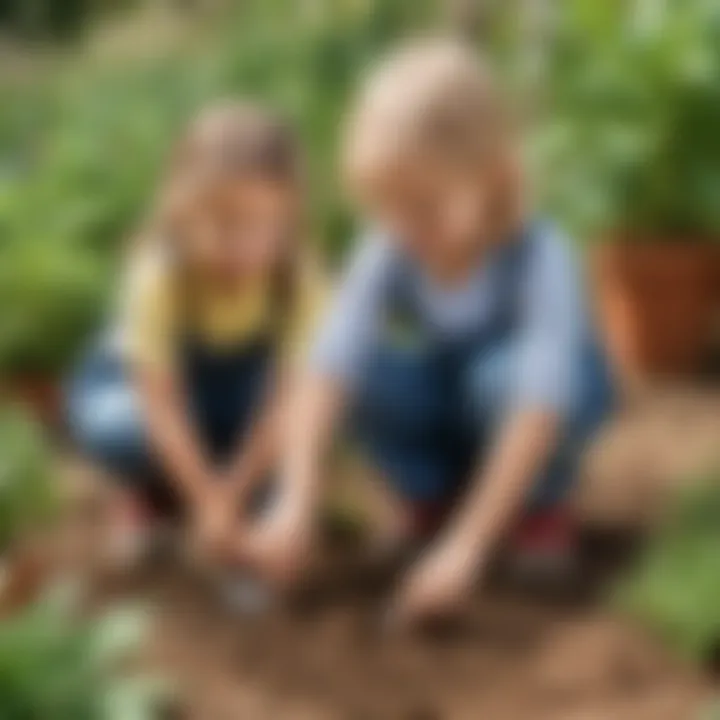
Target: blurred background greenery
[(623, 98)]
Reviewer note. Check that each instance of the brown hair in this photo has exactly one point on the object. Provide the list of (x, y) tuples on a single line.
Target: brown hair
[(227, 141), (237, 138)]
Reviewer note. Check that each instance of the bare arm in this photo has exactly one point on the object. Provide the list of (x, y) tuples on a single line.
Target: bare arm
[(258, 453), (171, 433), (316, 405), (300, 415), (281, 545), (544, 385), (260, 449), (542, 388), (150, 324), (310, 424), (442, 579), (501, 486)]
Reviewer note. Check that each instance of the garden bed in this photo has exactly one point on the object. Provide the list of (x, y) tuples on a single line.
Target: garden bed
[(518, 654)]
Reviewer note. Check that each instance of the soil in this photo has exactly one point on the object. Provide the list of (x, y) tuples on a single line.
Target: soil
[(660, 438), (541, 653), (514, 655)]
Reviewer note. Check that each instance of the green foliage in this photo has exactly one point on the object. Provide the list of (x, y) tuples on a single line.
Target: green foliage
[(677, 585), (56, 666), (26, 497), (634, 101), (711, 711), (80, 155), (49, 18), (632, 91)]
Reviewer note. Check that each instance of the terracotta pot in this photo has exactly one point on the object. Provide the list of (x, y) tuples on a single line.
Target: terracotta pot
[(22, 577), (658, 304), (41, 394)]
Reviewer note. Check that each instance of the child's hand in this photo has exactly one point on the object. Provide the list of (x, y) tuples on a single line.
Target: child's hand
[(213, 520), (437, 586), (282, 543)]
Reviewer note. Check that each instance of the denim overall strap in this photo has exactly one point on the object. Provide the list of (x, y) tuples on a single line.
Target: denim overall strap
[(411, 411), (402, 301), (510, 272), (225, 388), (458, 356), (595, 395), (404, 416), (404, 386)]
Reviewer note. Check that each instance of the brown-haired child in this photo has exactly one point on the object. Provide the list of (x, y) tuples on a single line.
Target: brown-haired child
[(181, 401)]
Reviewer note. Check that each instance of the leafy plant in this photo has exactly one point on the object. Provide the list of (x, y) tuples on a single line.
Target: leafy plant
[(56, 18), (676, 587), (55, 665), (26, 496), (80, 152), (633, 99)]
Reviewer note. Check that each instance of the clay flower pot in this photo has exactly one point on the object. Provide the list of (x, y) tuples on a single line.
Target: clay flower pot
[(22, 577), (658, 304), (40, 393)]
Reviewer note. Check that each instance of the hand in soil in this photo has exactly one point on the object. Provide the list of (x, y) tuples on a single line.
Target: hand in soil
[(280, 546), (214, 521), (435, 587)]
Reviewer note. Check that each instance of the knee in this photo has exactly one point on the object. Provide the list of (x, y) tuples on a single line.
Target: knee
[(106, 425)]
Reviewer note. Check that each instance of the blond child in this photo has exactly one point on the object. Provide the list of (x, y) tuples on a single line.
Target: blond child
[(459, 349), (181, 402)]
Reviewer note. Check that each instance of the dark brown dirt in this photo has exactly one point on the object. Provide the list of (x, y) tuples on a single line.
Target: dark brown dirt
[(514, 655)]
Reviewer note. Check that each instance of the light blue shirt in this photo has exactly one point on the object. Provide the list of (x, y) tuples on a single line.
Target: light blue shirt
[(552, 325)]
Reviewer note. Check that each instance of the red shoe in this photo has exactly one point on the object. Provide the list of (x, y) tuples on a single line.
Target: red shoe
[(545, 543)]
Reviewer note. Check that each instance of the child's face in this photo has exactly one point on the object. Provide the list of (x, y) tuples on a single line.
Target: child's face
[(442, 215), (241, 233)]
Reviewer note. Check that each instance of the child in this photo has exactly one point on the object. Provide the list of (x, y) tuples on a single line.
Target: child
[(460, 348), (181, 405)]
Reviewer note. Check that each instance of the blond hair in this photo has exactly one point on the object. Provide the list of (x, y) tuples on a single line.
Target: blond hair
[(431, 99)]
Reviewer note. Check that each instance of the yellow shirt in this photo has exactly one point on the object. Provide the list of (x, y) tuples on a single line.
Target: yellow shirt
[(156, 312)]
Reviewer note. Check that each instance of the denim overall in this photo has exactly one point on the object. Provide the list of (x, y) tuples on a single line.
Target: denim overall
[(428, 406), (224, 390)]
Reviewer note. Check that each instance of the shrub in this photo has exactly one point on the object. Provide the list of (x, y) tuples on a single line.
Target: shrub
[(59, 19), (55, 665), (26, 496), (79, 155), (676, 587), (633, 90)]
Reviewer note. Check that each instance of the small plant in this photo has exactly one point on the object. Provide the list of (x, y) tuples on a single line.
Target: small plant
[(26, 495), (634, 103), (676, 588), (54, 665)]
